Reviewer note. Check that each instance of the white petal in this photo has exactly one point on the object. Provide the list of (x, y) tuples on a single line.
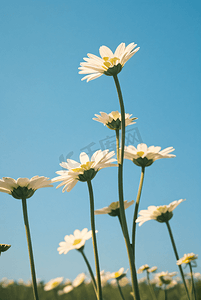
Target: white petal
[(105, 52), (84, 158), (120, 50)]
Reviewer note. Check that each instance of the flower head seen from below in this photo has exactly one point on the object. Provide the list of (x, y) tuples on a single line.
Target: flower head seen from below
[(23, 187), (119, 274), (4, 247), (109, 63), (142, 269), (113, 120), (152, 269), (187, 258), (74, 241), (159, 213), (146, 268), (113, 208), (53, 283), (85, 170), (144, 156), (165, 280)]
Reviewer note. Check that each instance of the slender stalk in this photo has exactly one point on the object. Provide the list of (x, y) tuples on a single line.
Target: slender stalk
[(177, 258), (117, 143), (55, 293), (121, 198), (150, 287), (31, 258), (165, 294), (192, 282), (99, 290), (90, 270), (136, 209), (120, 291), (120, 222)]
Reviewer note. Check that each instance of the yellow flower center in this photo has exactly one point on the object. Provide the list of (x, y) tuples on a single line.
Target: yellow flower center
[(84, 167), (77, 241), (188, 259), (140, 153), (54, 284), (162, 209), (110, 62), (115, 115), (114, 205), (117, 274)]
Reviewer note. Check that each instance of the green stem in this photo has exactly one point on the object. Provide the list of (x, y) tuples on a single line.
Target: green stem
[(120, 223), (120, 291), (150, 287), (192, 282), (136, 209), (165, 294), (121, 198), (99, 290), (31, 258), (117, 143), (90, 270), (177, 258), (55, 293)]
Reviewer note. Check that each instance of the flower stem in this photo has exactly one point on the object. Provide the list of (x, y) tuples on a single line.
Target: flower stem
[(192, 282), (165, 291), (120, 291), (99, 290), (121, 198), (117, 143), (177, 258), (136, 209), (31, 258), (150, 287), (90, 270)]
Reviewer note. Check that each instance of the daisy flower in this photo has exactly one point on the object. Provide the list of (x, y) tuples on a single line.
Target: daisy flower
[(164, 279), (79, 280), (153, 269), (159, 213), (109, 63), (23, 187), (187, 258), (113, 119), (144, 156), (67, 289), (142, 269), (85, 170), (75, 241), (53, 283), (146, 268), (113, 208), (119, 274)]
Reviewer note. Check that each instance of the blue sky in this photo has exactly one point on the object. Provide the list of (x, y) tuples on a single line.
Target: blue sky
[(47, 111)]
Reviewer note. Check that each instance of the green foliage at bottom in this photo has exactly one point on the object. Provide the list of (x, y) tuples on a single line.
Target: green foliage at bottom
[(17, 291)]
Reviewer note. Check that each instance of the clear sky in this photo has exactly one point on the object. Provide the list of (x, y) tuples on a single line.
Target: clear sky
[(46, 115)]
